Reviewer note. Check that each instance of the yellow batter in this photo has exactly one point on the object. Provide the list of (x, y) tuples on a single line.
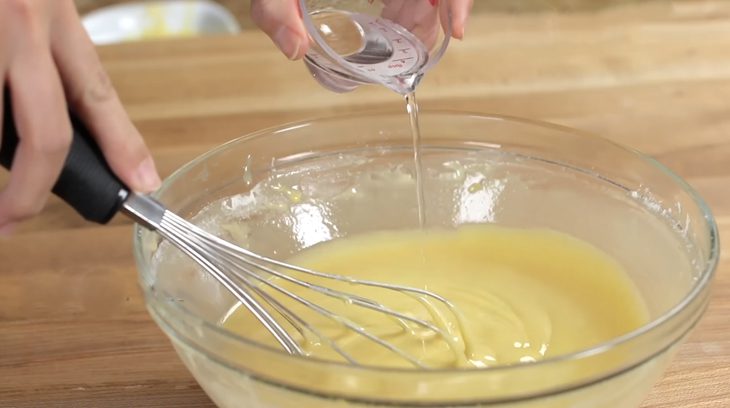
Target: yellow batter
[(519, 296)]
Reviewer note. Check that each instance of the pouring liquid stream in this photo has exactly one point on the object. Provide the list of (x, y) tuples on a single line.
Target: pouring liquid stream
[(384, 52), (412, 109)]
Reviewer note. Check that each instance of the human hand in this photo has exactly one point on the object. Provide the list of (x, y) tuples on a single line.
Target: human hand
[(282, 22), (49, 65)]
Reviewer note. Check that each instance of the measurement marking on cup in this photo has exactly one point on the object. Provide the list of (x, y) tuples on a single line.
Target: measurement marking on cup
[(394, 69)]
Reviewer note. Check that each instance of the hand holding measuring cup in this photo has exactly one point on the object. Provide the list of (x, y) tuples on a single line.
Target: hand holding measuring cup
[(347, 43)]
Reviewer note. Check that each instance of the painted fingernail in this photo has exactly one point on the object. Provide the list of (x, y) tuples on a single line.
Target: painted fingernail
[(147, 178), (433, 2), (288, 42), (8, 229)]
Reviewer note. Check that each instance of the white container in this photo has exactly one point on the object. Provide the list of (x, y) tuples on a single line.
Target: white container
[(158, 19)]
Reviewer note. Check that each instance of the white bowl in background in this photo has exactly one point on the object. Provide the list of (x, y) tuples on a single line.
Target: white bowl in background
[(158, 19)]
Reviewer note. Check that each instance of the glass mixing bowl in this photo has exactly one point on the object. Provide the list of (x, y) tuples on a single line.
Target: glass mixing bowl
[(280, 190)]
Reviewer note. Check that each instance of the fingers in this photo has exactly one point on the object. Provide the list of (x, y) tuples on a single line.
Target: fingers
[(93, 98), (392, 10), (460, 10), (420, 16), (43, 47), (422, 20), (39, 112), (7, 227), (281, 21)]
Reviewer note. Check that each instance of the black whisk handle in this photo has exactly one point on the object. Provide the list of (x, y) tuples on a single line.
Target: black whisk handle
[(86, 182)]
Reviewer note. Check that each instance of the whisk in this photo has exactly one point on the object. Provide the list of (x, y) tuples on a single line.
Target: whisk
[(89, 186)]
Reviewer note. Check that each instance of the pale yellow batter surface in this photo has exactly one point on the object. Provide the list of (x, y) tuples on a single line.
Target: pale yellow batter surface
[(518, 296)]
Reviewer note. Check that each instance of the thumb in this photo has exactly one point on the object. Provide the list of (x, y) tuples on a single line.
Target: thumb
[(460, 10), (282, 22)]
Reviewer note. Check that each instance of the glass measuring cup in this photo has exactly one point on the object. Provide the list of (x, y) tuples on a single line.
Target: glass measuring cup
[(387, 42)]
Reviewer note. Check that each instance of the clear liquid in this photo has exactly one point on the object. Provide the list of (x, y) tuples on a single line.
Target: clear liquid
[(371, 53), (412, 108), (374, 50)]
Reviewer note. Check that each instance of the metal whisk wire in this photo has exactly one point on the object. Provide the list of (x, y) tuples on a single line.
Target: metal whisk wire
[(86, 175), (245, 274)]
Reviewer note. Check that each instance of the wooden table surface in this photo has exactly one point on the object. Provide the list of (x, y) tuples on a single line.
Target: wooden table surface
[(656, 77)]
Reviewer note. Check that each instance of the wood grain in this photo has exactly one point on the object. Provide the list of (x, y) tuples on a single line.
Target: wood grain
[(240, 8), (654, 76)]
